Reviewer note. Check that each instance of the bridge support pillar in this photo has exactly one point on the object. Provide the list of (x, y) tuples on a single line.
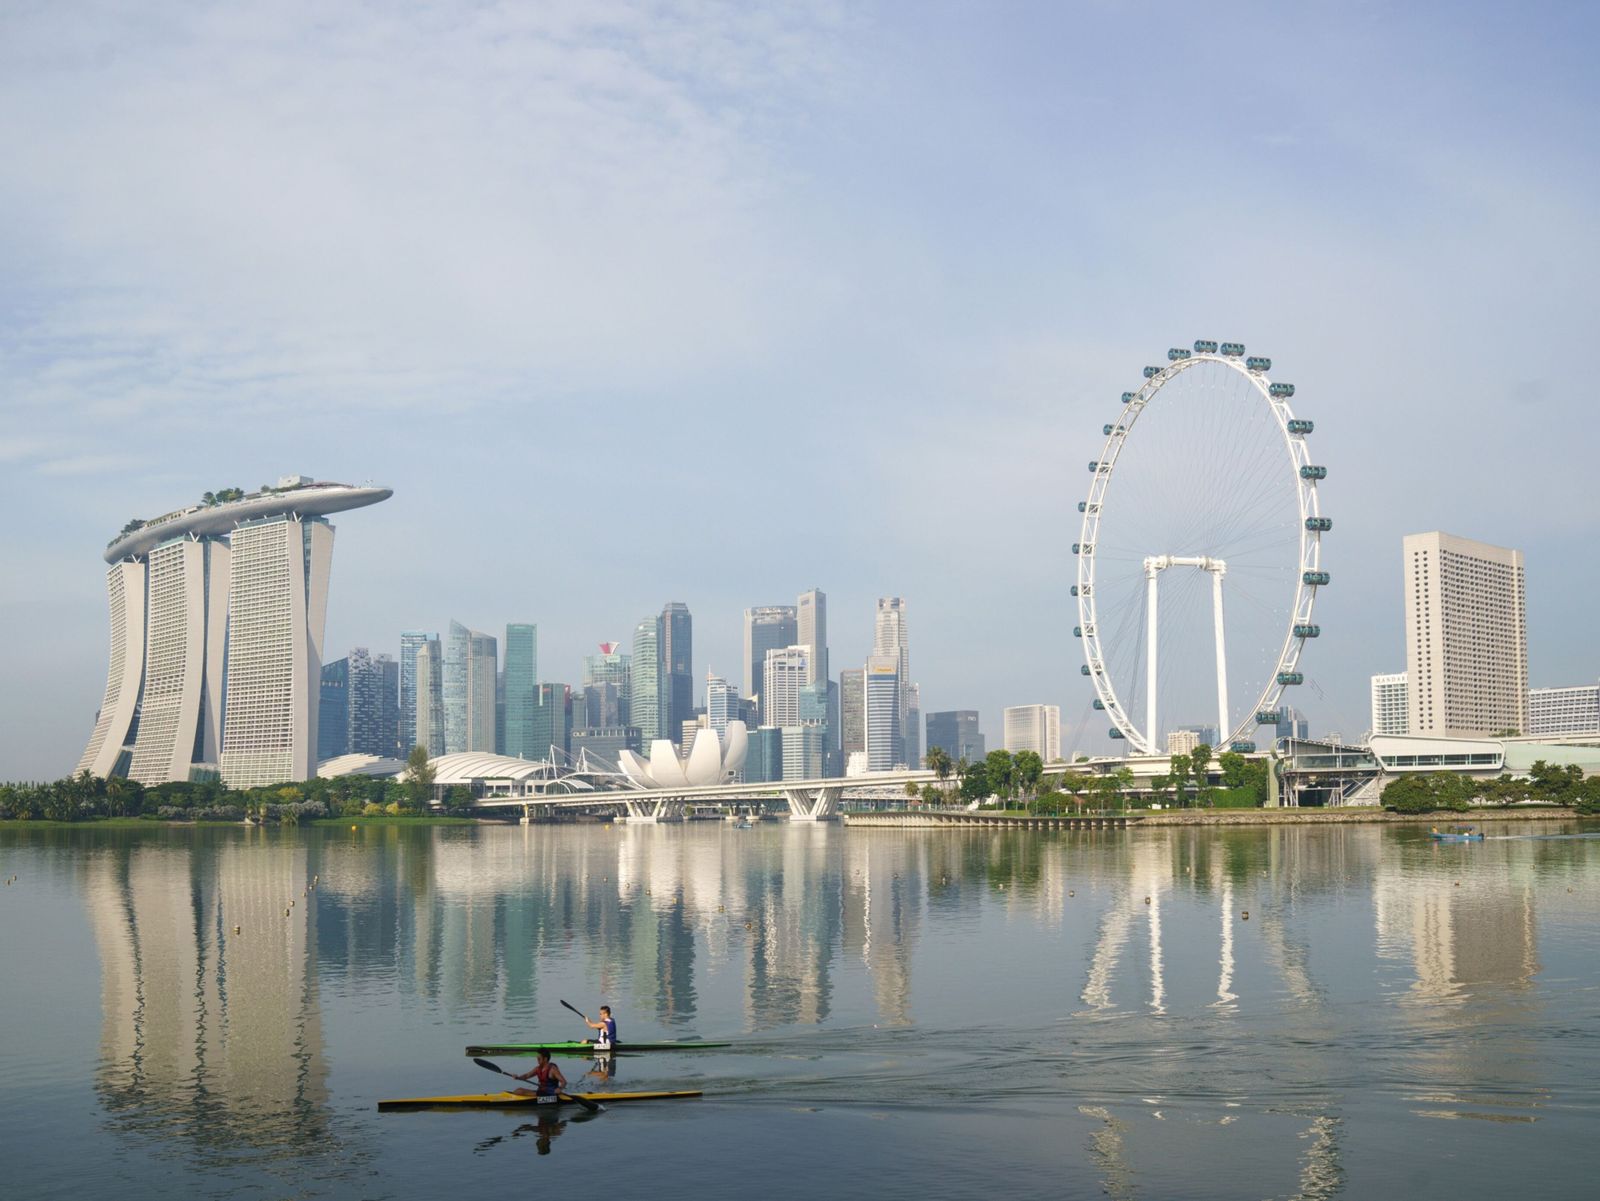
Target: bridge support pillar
[(653, 812), (813, 804), (527, 815)]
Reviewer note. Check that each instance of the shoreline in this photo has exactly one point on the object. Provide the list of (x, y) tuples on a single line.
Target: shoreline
[(1351, 816)]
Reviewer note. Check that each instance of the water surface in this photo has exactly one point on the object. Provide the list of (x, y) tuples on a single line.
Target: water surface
[(919, 1013)]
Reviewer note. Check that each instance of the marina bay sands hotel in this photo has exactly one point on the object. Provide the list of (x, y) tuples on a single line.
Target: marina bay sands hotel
[(217, 617)]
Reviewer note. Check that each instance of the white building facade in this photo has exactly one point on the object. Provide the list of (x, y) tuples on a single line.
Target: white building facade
[(1389, 704), (1466, 637), (1034, 728), (1553, 711), (786, 673)]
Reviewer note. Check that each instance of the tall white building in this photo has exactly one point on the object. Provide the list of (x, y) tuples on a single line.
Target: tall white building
[(430, 724), (1034, 728), (787, 672), (1554, 711), (277, 612), (229, 594), (811, 621), (885, 725), (1182, 742), (1389, 713), (1466, 637), (471, 664)]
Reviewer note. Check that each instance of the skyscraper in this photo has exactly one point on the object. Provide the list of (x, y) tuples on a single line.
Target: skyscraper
[(614, 667), (885, 727), (188, 592), (811, 621), (551, 721), (890, 637), (767, 628), (277, 610), (410, 640), (1389, 704), (1466, 637), (333, 711), (956, 733), (1291, 724), (521, 683), (677, 661), (227, 594), (372, 705), (470, 667), (786, 674), (852, 710), (913, 725), (722, 704), (430, 698), (1034, 728), (647, 706)]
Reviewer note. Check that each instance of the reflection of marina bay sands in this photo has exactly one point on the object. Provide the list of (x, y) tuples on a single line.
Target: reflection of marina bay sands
[(215, 1031)]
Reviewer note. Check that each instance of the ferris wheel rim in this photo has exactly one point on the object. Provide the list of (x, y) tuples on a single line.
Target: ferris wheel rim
[(1308, 578)]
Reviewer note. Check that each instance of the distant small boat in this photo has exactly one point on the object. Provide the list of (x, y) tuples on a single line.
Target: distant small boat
[(1456, 834)]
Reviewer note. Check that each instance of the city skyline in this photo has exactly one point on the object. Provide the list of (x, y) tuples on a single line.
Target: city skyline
[(857, 270)]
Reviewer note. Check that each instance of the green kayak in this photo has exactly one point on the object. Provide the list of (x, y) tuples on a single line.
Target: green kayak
[(583, 1047)]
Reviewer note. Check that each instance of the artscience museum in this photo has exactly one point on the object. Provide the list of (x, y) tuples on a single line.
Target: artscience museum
[(713, 759)]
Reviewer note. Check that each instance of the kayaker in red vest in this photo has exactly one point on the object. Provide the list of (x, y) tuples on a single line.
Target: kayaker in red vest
[(547, 1077), (607, 1025)]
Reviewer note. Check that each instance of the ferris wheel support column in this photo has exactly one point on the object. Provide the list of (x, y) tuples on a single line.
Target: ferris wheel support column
[(1217, 572), (1152, 571)]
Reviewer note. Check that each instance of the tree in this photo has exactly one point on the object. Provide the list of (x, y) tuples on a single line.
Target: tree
[(938, 762), (419, 778), (975, 782), (1436, 792), (1160, 789), (931, 795), (912, 790), (1000, 769), (1200, 763), (1235, 768), (1180, 769), (1027, 769)]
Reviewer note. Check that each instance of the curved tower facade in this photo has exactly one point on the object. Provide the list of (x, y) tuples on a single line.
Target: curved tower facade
[(217, 618)]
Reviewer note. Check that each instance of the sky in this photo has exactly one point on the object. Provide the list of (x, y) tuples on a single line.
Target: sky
[(718, 302)]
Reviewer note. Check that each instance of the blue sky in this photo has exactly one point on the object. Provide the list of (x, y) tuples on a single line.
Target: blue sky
[(718, 302)]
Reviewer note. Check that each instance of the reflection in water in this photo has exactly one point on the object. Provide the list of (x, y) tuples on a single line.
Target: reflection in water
[(213, 1042), (207, 1032)]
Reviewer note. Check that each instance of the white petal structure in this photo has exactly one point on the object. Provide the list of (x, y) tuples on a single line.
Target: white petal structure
[(712, 760), (704, 765), (734, 748), (636, 769), (664, 765)]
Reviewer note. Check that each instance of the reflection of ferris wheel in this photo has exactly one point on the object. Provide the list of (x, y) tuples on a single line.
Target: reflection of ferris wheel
[(1218, 493)]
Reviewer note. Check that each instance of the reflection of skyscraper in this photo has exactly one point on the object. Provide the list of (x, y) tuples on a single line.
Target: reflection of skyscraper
[(206, 1034)]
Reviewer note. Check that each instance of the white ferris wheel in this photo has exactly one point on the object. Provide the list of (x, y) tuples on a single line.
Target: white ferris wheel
[(1199, 559)]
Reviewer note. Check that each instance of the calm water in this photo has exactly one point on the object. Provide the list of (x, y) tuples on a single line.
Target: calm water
[(917, 1013)]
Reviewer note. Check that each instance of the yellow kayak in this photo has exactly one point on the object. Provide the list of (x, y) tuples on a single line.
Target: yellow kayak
[(526, 1097)]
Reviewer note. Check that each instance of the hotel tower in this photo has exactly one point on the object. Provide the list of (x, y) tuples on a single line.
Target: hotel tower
[(217, 617)]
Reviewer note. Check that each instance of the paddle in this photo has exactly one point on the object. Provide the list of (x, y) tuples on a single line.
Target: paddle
[(577, 1011), (591, 1106)]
